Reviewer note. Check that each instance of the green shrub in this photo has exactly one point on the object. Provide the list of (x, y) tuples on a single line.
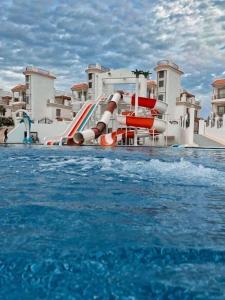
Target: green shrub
[(6, 122)]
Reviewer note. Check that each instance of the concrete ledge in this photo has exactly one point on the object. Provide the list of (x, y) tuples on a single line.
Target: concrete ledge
[(218, 140)]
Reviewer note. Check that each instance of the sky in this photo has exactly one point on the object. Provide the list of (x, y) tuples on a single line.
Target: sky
[(64, 36)]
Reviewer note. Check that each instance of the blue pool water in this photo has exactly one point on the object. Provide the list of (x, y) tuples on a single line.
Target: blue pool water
[(89, 223)]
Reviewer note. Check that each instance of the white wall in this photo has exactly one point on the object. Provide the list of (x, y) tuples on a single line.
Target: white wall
[(44, 130), (105, 82), (41, 89), (216, 134), (173, 89), (180, 111), (65, 113)]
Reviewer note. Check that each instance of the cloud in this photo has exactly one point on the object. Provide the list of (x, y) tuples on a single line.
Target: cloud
[(66, 35)]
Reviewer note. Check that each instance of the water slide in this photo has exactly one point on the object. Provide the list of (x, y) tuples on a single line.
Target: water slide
[(148, 122), (78, 123)]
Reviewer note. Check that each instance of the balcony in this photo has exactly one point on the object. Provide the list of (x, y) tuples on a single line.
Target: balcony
[(18, 101), (54, 103), (218, 98), (188, 100)]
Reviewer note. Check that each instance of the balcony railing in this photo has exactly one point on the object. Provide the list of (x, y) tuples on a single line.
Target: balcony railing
[(99, 67), (62, 105), (217, 97), (38, 70), (19, 100), (167, 62), (189, 100)]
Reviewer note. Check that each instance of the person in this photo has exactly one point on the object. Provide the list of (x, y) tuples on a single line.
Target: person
[(5, 135)]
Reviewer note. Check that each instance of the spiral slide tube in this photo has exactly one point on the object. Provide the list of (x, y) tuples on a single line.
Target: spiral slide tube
[(111, 139), (93, 133), (155, 125), (153, 104)]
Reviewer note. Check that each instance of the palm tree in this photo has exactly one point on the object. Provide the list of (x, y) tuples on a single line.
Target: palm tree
[(137, 73), (146, 74)]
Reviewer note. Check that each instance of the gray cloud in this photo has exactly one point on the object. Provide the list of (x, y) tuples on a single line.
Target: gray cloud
[(65, 35)]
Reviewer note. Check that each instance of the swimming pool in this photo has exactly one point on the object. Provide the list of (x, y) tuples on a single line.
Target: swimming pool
[(127, 223)]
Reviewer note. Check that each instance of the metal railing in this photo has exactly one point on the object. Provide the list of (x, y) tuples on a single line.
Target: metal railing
[(38, 70), (167, 62), (53, 101), (216, 97), (98, 66)]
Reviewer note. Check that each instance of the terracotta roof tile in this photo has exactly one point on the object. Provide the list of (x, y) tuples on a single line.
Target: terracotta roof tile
[(19, 87), (219, 82), (79, 86), (151, 82)]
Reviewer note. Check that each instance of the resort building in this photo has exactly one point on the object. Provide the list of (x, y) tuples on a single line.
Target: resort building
[(49, 109), (40, 91), (60, 107), (183, 109), (79, 91), (218, 97), (93, 70), (214, 127), (38, 97), (19, 99), (79, 96), (5, 103), (55, 109), (151, 88)]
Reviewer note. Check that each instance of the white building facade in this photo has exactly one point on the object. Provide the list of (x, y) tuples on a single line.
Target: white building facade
[(49, 107), (183, 109), (214, 127)]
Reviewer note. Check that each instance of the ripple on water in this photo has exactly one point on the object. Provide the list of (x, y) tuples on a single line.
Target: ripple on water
[(88, 223)]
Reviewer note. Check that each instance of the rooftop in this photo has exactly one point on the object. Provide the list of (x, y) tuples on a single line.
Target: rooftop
[(98, 67), (219, 82), (19, 87), (187, 93), (168, 63), (30, 69), (79, 86), (151, 82)]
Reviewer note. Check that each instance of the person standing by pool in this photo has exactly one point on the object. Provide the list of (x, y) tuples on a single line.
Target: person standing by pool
[(5, 135)]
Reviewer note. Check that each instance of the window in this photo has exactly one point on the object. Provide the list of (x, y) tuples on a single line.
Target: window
[(221, 110), (90, 85), (160, 97), (161, 83), (221, 93), (161, 74), (27, 78), (90, 76), (58, 112)]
